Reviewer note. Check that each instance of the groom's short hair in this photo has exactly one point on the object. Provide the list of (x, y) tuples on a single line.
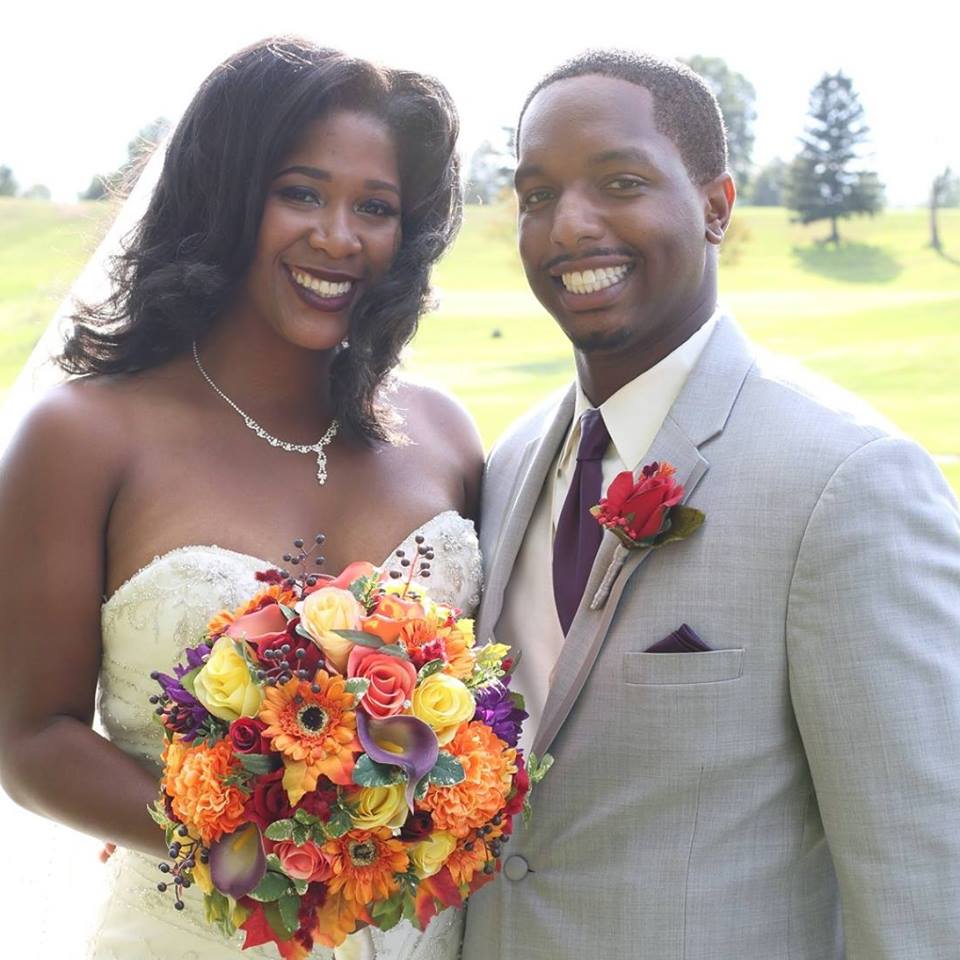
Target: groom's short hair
[(684, 107)]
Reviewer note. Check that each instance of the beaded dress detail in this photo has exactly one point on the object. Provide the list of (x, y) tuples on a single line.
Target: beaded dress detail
[(146, 625)]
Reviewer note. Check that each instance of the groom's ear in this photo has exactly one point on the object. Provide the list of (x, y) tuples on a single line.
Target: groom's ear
[(719, 196)]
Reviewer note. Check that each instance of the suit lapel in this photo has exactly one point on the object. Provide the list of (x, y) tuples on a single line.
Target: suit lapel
[(534, 464), (698, 415)]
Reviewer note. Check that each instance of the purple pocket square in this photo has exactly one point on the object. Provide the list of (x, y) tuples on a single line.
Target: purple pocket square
[(682, 640)]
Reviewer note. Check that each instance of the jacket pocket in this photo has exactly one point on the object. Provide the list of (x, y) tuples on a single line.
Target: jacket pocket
[(708, 666)]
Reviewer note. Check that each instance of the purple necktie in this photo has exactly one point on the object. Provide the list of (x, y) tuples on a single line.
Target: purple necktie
[(578, 533)]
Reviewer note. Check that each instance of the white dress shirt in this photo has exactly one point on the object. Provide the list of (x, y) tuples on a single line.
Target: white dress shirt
[(633, 417)]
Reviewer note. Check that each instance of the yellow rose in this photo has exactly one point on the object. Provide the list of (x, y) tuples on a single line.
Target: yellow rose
[(380, 807), (443, 703), (325, 611), (428, 856), (225, 685)]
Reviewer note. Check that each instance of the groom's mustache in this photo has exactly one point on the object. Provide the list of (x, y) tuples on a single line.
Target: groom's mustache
[(587, 255)]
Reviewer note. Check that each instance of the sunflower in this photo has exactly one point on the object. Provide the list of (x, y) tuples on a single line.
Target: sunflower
[(489, 765), (314, 726), (364, 863)]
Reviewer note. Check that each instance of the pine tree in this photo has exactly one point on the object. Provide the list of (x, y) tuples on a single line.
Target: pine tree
[(825, 182)]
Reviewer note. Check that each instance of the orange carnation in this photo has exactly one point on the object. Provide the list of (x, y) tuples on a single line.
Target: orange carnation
[(194, 777), (463, 863), (364, 863), (489, 766)]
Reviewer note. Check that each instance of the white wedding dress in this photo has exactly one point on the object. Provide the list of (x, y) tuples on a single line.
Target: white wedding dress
[(146, 624)]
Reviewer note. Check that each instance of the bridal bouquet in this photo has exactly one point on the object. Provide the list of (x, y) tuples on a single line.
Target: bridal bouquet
[(338, 753)]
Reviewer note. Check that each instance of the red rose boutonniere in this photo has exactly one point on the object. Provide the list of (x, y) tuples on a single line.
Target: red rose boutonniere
[(646, 512)]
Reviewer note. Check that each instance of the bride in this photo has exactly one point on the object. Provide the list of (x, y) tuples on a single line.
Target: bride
[(232, 393)]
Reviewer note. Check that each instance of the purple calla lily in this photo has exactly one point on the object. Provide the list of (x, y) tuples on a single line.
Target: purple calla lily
[(237, 861), (404, 742)]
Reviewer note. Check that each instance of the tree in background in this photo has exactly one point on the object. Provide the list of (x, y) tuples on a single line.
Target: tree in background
[(122, 180), (38, 191), (767, 185), (491, 168), (825, 182), (944, 192), (736, 96), (8, 185)]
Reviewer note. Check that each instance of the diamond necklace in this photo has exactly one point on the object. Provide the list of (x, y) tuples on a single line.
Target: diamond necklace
[(318, 448)]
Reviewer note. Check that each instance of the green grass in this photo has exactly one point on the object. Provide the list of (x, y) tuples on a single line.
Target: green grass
[(880, 315)]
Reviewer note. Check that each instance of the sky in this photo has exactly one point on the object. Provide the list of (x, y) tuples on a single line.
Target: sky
[(76, 84)]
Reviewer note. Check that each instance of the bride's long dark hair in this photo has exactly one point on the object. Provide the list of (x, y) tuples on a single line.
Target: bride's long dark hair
[(187, 257)]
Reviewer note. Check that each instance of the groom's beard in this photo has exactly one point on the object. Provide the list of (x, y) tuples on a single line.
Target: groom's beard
[(601, 340)]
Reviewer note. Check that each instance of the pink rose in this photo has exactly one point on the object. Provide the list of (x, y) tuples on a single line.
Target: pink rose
[(392, 680), (306, 862)]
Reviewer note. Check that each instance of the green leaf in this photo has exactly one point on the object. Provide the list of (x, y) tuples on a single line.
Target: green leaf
[(280, 830), (387, 913), (447, 771), (288, 612), (429, 668), (300, 631), (340, 822), (186, 681), (271, 887), (527, 811), (537, 768), (289, 911), (683, 522), (258, 763), (300, 834), (362, 637), (358, 686), (158, 814), (518, 701), (273, 863), (422, 786), (369, 773), (300, 885), (276, 921), (308, 819)]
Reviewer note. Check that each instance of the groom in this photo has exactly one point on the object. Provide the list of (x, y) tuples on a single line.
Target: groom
[(756, 729)]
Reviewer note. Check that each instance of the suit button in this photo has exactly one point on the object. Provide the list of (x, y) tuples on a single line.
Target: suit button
[(515, 868)]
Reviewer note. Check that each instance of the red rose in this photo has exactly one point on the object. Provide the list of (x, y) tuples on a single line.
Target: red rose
[(521, 785), (245, 735), (392, 680), (640, 507), (319, 802), (268, 802), (417, 826)]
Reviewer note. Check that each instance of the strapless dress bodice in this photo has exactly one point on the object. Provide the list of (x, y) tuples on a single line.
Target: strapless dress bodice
[(146, 625)]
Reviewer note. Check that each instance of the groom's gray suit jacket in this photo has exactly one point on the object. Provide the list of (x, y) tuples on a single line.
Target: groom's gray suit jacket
[(725, 805)]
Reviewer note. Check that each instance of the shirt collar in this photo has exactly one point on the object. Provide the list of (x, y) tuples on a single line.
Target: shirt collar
[(655, 389)]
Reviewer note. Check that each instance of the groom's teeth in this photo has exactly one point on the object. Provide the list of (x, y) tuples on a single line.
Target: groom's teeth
[(323, 288), (592, 280)]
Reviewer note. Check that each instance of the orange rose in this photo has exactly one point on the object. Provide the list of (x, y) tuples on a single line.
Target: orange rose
[(306, 862), (392, 680)]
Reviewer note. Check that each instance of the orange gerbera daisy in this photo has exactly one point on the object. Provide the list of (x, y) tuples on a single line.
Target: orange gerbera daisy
[(194, 778), (275, 591), (314, 725), (489, 766), (364, 863)]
